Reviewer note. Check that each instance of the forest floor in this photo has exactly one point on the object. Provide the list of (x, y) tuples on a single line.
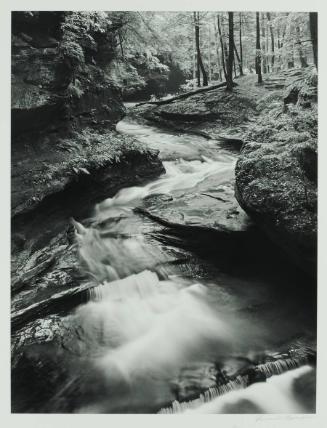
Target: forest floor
[(211, 114), (218, 113)]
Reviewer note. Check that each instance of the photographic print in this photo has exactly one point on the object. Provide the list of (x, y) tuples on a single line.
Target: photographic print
[(164, 212)]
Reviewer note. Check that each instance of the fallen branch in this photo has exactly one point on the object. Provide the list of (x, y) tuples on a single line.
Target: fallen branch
[(185, 95)]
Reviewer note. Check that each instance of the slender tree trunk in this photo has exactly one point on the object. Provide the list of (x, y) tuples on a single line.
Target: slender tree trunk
[(313, 19), (303, 60), (272, 38), (209, 52), (194, 64), (217, 50), (199, 58), (267, 53), (290, 63), (197, 48), (239, 61), (234, 65), (285, 55), (264, 56), (241, 47), (225, 50), (230, 51), (222, 48), (258, 49)]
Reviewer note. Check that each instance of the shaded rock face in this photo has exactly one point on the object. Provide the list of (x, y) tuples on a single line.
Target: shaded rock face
[(45, 88), (276, 178), (53, 102)]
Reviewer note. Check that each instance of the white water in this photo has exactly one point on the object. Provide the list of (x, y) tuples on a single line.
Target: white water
[(143, 330), (173, 146), (180, 176), (276, 395), (152, 326)]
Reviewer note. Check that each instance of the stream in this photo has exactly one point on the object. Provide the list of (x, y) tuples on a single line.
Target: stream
[(191, 309)]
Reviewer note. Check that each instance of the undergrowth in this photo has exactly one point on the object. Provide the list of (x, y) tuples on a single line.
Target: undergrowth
[(288, 122)]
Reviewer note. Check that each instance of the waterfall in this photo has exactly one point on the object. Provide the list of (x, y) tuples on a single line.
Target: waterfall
[(276, 395), (292, 367), (142, 323), (280, 366), (206, 397)]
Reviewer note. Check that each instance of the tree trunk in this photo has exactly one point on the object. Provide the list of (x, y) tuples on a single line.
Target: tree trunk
[(290, 63), (217, 50), (209, 52), (222, 48), (197, 43), (272, 41), (264, 57), (267, 53), (230, 51), (234, 65), (185, 95), (239, 61), (313, 18), (241, 47), (258, 50), (199, 58), (194, 64), (302, 57)]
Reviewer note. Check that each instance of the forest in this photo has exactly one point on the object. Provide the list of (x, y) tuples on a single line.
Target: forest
[(164, 212), (160, 53)]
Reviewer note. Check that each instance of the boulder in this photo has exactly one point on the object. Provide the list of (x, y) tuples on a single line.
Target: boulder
[(276, 186)]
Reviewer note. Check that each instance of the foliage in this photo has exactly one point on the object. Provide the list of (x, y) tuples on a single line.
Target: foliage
[(87, 150), (148, 45), (293, 123), (79, 31)]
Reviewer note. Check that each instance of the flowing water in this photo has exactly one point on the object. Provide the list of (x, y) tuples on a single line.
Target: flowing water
[(165, 329)]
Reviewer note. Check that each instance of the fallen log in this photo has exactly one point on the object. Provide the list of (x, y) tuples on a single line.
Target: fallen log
[(185, 95)]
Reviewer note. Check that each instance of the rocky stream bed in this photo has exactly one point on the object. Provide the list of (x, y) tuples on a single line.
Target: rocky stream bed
[(164, 262)]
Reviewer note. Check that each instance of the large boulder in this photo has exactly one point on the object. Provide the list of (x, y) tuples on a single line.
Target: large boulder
[(276, 174), (276, 186)]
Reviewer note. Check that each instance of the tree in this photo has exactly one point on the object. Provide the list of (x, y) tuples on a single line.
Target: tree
[(313, 19), (217, 50), (222, 47), (264, 45), (241, 47), (230, 61), (272, 39), (302, 57), (209, 53), (198, 51), (258, 50), (239, 61)]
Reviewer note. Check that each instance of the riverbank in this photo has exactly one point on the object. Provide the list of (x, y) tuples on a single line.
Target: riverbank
[(275, 127)]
